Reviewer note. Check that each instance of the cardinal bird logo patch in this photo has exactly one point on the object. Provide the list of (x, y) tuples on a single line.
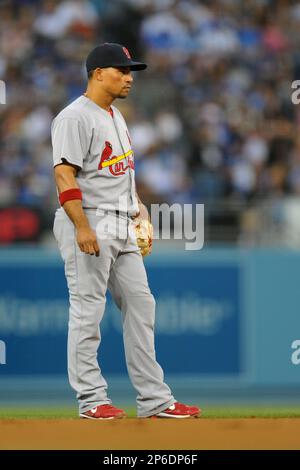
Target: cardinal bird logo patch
[(106, 154), (114, 163)]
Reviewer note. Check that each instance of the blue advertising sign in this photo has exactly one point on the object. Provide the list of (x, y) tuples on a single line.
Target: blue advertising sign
[(198, 318)]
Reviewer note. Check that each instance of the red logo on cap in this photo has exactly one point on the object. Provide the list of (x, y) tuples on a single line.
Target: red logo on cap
[(127, 52)]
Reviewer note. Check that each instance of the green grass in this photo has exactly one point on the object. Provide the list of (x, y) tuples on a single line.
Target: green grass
[(38, 413), (252, 412), (208, 412)]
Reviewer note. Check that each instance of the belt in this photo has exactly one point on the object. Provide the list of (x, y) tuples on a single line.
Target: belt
[(116, 212)]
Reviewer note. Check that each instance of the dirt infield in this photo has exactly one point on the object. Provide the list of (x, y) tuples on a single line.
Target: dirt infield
[(146, 434)]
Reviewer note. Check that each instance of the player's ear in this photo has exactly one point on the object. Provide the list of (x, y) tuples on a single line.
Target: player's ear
[(98, 74)]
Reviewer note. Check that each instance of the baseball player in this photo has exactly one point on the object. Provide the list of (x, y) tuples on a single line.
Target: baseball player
[(103, 230)]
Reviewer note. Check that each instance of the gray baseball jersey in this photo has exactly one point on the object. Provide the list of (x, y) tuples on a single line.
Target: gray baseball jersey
[(98, 142)]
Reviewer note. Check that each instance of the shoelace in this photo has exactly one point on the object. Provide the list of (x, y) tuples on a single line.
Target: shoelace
[(108, 407)]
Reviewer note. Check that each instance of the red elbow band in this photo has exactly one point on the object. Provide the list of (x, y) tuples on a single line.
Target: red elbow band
[(69, 195)]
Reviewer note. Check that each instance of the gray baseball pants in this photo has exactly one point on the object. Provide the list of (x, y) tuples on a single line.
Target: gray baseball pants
[(119, 268)]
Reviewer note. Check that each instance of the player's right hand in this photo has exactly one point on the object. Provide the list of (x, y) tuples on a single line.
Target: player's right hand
[(87, 241)]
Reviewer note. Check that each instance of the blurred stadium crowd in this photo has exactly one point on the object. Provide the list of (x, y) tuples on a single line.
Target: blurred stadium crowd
[(211, 119)]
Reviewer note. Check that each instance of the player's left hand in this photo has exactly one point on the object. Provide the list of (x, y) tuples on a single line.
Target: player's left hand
[(144, 235)]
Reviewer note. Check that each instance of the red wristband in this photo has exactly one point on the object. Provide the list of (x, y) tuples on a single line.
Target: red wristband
[(69, 195)]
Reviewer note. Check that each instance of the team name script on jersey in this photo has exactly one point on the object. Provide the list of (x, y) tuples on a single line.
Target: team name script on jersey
[(116, 164)]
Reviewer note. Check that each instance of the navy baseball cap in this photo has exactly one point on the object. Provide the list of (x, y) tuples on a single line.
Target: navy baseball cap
[(111, 55)]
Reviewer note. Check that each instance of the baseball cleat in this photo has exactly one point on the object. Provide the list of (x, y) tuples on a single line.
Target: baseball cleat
[(179, 410), (103, 412)]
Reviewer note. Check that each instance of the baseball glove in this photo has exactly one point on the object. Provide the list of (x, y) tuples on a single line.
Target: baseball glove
[(144, 235)]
